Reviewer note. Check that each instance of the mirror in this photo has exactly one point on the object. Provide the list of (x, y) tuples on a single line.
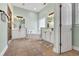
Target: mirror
[(50, 20), (19, 22)]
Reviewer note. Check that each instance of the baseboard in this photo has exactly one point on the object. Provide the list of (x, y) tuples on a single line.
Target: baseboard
[(28, 36), (18, 38), (76, 48), (3, 51)]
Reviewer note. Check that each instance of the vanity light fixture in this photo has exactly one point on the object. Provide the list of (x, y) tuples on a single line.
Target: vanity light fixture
[(51, 13)]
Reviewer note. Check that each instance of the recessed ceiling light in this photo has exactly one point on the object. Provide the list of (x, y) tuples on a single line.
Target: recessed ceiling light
[(44, 3), (34, 8)]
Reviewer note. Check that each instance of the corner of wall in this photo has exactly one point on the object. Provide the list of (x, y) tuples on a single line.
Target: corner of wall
[(4, 50), (76, 48)]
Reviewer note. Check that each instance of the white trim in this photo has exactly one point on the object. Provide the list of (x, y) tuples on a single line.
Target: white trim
[(56, 51), (9, 41), (3, 51), (76, 48)]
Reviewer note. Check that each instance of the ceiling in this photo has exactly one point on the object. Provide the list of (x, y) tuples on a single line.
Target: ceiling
[(31, 6)]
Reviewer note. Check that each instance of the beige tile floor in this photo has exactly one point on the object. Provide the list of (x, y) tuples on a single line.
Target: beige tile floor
[(30, 47)]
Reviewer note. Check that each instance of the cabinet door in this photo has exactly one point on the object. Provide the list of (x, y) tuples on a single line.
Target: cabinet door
[(43, 35), (52, 37), (48, 36)]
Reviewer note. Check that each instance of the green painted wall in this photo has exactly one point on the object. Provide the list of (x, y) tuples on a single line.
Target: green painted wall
[(46, 10), (31, 18), (75, 19), (76, 35), (3, 30)]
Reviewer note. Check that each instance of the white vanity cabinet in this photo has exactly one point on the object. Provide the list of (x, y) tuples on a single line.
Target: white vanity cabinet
[(47, 35)]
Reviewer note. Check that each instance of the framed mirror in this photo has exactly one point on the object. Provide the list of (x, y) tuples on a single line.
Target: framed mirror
[(50, 20), (19, 22)]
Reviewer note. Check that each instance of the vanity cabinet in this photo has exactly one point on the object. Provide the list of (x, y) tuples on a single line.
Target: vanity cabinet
[(47, 35)]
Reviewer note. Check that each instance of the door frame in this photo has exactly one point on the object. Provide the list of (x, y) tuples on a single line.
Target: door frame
[(9, 12), (60, 27)]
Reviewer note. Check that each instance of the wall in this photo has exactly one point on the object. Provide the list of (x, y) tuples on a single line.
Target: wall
[(76, 25), (57, 28), (30, 20), (44, 13), (46, 10), (3, 30)]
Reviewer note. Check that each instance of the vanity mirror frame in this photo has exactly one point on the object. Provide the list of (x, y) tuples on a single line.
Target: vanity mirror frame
[(20, 20), (50, 19)]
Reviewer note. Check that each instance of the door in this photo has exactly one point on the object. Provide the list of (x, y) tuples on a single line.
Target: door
[(66, 27)]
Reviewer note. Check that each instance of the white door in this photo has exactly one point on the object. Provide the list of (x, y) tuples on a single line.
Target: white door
[(66, 32)]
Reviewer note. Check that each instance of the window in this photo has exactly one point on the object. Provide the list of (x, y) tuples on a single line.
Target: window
[(41, 23)]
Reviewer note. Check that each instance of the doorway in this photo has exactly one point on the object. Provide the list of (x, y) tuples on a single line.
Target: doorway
[(24, 19)]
